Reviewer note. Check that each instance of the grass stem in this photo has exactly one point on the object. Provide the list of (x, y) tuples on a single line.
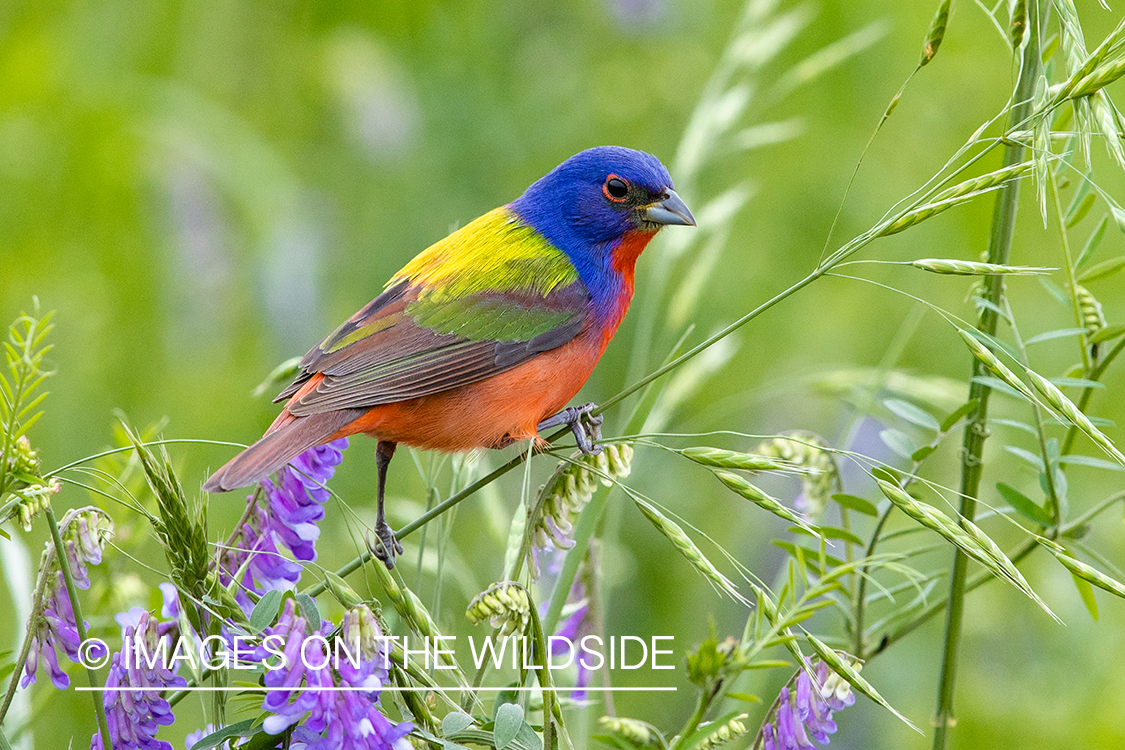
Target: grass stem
[(976, 431)]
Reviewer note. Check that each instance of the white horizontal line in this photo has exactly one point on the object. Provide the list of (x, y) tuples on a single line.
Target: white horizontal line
[(389, 689)]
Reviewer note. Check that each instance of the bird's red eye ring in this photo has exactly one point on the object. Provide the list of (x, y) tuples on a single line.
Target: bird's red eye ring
[(616, 188)]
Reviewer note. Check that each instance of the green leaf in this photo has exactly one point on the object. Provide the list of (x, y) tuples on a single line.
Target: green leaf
[(923, 453), (213, 740), (511, 695), (1086, 591), (1097, 463), (1032, 458), (1054, 290), (527, 739), (1078, 211), (858, 504), (1118, 216), (833, 532), (1103, 269), (309, 610), (1017, 425), (1060, 333), (912, 414), (1076, 383), (1092, 242), (454, 722), (767, 664), (266, 609), (898, 442), (1024, 505), (810, 556), (746, 697), (509, 719), (961, 411), (1109, 333)]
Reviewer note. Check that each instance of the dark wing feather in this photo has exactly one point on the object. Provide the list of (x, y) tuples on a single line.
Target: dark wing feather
[(405, 345)]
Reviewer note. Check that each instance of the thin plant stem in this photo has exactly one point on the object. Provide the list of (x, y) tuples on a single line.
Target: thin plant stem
[(861, 593), (976, 431), (80, 625), (693, 723), (21, 662), (431, 514), (1071, 279)]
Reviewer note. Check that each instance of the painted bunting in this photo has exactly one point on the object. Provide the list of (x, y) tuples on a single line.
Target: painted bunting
[(483, 338)]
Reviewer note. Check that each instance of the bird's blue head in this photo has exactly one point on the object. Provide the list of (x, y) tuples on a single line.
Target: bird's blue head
[(588, 205)]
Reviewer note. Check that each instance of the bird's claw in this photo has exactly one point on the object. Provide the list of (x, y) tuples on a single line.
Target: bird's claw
[(587, 427), (384, 545)]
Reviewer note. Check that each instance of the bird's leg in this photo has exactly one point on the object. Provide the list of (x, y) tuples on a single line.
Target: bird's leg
[(386, 546), (587, 428)]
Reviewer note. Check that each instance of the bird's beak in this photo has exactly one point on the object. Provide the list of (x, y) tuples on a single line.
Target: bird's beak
[(669, 210)]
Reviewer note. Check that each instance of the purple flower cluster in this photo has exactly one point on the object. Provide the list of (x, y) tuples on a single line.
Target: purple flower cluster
[(83, 539), (56, 626), (287, 519), (135, 715), (807, 710), (333, 719)]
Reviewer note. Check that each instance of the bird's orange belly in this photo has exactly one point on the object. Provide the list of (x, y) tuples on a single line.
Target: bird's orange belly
[(490, 413)]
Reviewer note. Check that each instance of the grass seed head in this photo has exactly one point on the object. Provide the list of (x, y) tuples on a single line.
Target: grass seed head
[(570, 488), (728, 732), (759, 498), (935, 34), (1017, 29), (1089, 574), (505, 605), (634, 732), (1093, 318), (955, 267), (994, 365), (810, 451), (686, 547), (1063, 405), (719, 458)]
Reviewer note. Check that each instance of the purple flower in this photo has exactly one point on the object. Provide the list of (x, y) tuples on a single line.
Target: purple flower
[(135, 708), (333, 719), (807, 710), (170, 609), (55, 624), (287, 519), (55, 627)]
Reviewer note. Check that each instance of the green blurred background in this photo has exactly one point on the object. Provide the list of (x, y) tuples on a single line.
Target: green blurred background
[(203, 190)]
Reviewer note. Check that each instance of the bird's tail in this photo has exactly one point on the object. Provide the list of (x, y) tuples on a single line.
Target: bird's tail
[(286, 439)]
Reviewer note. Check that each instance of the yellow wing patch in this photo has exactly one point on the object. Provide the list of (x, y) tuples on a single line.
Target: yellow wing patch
[(495, 252)]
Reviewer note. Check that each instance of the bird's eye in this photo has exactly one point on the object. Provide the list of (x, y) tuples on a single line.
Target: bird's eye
[(615, 188)]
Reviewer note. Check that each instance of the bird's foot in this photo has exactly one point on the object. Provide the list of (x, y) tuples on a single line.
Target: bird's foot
[(587, 427), (384, 545)]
